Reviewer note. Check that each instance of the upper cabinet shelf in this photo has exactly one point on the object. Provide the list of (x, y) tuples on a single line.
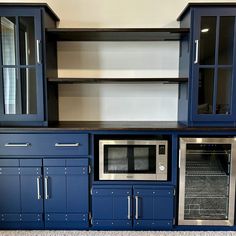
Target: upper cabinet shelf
[(117, 34), (116, 80)]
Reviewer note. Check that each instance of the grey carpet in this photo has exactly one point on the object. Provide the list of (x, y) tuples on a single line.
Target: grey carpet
[(116, 233)]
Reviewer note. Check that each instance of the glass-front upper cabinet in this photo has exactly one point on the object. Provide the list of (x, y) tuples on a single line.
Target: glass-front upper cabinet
[(21, 72), (213, 65)]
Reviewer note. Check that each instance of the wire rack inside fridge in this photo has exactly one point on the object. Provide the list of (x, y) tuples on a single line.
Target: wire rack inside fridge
[(207, 185)]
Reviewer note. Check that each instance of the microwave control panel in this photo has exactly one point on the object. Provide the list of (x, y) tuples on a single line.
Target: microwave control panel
[(162, 161)]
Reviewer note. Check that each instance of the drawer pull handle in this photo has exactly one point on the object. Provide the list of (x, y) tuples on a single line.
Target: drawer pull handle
[(17, 144), (67, 144), (38, 188), (46, 187)]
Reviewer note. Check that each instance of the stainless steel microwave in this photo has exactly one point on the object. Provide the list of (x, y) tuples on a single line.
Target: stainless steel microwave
[(133, 160)]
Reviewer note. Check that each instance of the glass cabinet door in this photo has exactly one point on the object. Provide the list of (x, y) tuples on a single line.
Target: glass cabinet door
[(206, 181), (213, 64), (21, 66)]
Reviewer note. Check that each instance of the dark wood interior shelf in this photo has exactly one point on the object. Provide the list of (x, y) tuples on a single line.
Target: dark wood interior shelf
[(117, 34), (115, 80)]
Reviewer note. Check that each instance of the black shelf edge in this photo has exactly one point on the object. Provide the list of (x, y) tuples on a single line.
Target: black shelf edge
[(115, 80), (117, 34), (75, 126)]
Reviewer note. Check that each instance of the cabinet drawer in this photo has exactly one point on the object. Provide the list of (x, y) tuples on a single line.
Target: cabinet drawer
[(66, 144), (44, 144), (21, 144)]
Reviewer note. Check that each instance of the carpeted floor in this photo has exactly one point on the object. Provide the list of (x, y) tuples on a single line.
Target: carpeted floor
[(116, 233)]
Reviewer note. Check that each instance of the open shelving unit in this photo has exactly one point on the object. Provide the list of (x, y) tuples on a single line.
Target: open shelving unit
[(117, 34)]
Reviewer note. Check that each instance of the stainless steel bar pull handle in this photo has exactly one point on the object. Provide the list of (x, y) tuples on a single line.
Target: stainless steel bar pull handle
[(196, 51), (17, 144), (136, 207), (129, 204), (46, 187), (38, 51), (38, 188), (67, 144)]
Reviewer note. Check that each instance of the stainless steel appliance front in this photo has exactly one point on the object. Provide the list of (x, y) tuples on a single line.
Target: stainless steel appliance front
[(207, 181), (133, 159)]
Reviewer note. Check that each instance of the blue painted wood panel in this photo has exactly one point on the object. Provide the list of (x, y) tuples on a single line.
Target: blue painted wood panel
[(68, 196), (110, 207), (31, 196), (10, 190), (43, 144), (19, 195), (56, 188), (155, 207)]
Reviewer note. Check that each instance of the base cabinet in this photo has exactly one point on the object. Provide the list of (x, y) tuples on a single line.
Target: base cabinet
[(51, 193), (153, 208), (132, 207), (21, 205), (66, 194)]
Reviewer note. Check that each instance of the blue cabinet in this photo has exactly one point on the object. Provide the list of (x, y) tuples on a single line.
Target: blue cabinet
[(112, 207), (22, 64), (127, 207), (207, 57), (153, 207), (54, 195), (21, 204), (66, 193)]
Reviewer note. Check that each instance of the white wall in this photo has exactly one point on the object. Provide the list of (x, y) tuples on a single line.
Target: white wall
[(118, 59)]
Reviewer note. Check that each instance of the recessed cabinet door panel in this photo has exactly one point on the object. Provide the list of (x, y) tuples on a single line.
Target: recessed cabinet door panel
[(31, 190), (165, 206), (112, 204), (55, 189), (153, 208), (10, 190), (77, 189), (66, 195)]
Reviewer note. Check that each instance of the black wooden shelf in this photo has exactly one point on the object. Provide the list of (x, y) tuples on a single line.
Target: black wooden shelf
[(117, 34), (115, 80)]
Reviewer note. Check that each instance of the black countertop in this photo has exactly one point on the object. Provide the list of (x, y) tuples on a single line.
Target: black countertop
[(116, 125)]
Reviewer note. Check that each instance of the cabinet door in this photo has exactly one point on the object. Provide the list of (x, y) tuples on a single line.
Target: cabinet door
[(213, 61), (21, 205), (66, 197), (31, 190), (21, 77), (153, 208), (112, 208), (10, 190)]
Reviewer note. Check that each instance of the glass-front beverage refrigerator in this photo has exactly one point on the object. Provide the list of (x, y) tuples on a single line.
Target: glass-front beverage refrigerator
[(207, 181)]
